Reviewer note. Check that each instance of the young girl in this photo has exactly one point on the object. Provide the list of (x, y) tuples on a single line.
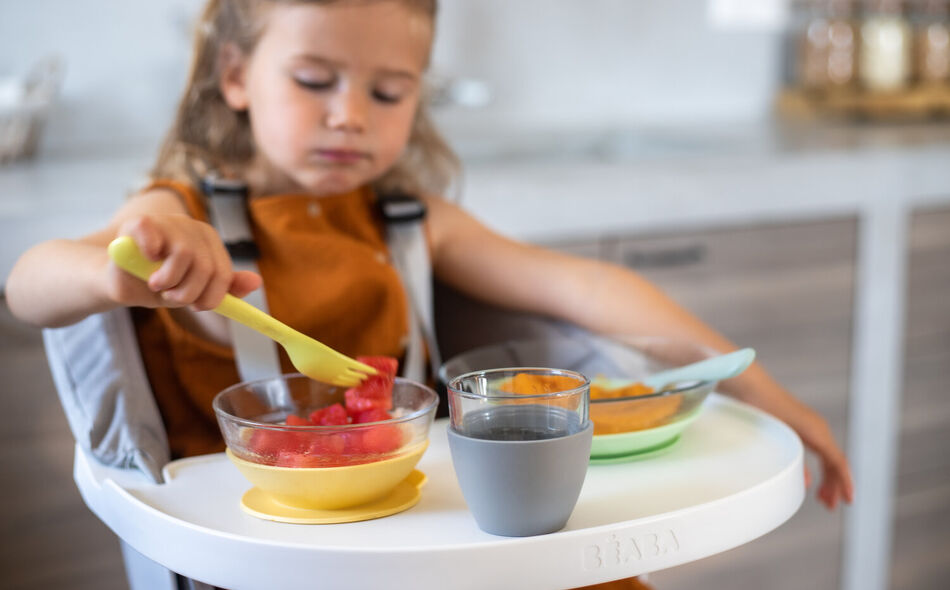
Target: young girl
[(317, 107)]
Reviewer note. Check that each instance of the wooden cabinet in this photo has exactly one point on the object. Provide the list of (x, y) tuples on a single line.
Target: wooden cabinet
[(787, 291), (921, 543)]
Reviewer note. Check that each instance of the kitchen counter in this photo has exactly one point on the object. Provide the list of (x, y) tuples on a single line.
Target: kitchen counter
[(713, 178), (544, 186)]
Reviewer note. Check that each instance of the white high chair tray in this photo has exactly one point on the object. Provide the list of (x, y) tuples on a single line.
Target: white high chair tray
[(735, 474)]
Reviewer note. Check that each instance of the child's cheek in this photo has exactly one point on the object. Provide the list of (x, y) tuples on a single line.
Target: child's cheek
[(283, 138), (393, 141)]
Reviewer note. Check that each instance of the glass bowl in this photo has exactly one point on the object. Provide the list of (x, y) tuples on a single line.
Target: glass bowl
[(623, 426), (321, 467)]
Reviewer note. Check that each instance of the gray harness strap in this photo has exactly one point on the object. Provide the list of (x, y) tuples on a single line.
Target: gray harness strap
[(404, 216), (255, 354)]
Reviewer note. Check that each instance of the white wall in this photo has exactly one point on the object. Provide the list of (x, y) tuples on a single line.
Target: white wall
[(604, 62), (125, 64), (549, 63)]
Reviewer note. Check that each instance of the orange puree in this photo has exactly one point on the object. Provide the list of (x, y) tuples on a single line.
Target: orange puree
[(630, 415), (528, 383), (608, 418), (598, 392)]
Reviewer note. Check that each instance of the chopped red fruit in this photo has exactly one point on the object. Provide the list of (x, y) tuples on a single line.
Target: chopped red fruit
[(384, 438), (333, 415), (327, 443), (268, 444), (371, 415), (376, 391), (295, 420), (367, 403)]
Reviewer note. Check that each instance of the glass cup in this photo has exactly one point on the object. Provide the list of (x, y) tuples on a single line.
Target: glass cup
[(520, 440)]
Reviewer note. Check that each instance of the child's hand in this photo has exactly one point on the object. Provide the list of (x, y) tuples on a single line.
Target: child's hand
[(836, 481), (196, 269)]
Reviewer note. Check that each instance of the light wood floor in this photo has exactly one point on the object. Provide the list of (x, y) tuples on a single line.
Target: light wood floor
[(50, 539)]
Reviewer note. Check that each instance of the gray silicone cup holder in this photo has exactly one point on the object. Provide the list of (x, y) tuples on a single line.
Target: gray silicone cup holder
[(521, 488), (518, 487)]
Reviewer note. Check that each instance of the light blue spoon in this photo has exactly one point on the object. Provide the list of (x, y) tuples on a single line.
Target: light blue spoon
[(717, 368)]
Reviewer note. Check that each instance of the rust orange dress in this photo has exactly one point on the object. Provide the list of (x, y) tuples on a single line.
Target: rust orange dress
[(326, 273)]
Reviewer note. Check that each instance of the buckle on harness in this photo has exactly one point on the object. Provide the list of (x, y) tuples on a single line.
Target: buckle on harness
[(228, 202), (213, 185), (400, 208)]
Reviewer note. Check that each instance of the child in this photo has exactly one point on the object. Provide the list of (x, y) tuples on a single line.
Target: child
[(317, 107)]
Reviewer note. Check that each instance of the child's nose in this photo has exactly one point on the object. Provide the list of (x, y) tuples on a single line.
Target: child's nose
[(347, 111)]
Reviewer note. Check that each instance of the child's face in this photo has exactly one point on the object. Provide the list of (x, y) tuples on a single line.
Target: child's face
[(331, 91)]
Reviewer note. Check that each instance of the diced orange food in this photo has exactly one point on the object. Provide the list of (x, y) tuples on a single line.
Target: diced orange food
[(529, 383)]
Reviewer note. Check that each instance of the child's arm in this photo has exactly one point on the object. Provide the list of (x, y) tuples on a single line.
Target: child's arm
[(59, 282), (609, 299)]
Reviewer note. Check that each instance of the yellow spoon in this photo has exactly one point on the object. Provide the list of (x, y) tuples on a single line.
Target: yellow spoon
[(314, 359)]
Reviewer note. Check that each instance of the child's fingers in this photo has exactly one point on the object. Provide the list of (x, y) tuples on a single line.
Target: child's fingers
[(219, 279), (214, 292), (836, 485), (826, 494), (193, 283), (243, 282), (218, 282), (147, 235), (836, 469), (172, 271)]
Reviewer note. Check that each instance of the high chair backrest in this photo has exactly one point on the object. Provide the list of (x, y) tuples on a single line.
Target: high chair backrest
[(101, 382)]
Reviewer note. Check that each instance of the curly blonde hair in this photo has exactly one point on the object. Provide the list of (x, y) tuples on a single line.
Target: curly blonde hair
[(208, 135)]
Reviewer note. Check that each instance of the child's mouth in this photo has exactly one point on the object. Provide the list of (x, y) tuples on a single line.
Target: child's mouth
[(341, 156)]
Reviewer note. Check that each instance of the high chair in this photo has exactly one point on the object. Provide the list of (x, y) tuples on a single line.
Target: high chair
[(184, 516)]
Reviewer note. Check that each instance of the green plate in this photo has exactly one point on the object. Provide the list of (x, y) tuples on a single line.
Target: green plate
[(629, 445), (610, 460)]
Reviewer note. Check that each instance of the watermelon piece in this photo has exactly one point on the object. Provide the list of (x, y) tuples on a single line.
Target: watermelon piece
[(371, 415), (369, 402), (376, 391), (270, 444), (327, 443), (295, 420), (382, 439), (333, 415), (290, 459)]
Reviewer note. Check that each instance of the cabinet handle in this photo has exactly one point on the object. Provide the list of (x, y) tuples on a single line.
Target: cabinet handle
[(665, 257)]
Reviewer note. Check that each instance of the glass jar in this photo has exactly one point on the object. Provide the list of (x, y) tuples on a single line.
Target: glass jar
[(827, 46), (842, 44), (932, 40), (885, 63), (813, 48)]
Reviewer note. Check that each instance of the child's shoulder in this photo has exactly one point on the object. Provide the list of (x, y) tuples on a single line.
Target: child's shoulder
[(448, 221)]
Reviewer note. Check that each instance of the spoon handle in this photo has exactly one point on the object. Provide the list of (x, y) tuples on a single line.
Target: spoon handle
[(717, 368), (127, 256)]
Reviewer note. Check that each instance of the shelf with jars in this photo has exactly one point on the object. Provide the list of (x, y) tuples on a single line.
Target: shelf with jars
[(877, 59)]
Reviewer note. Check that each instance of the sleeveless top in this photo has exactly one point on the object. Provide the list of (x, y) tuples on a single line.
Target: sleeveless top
[(326, 273)]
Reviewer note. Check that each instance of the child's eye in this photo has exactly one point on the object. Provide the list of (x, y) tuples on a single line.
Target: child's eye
[(386, 97), (323, 84)]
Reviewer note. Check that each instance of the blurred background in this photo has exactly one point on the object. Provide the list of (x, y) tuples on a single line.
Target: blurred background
[(780, 167)]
